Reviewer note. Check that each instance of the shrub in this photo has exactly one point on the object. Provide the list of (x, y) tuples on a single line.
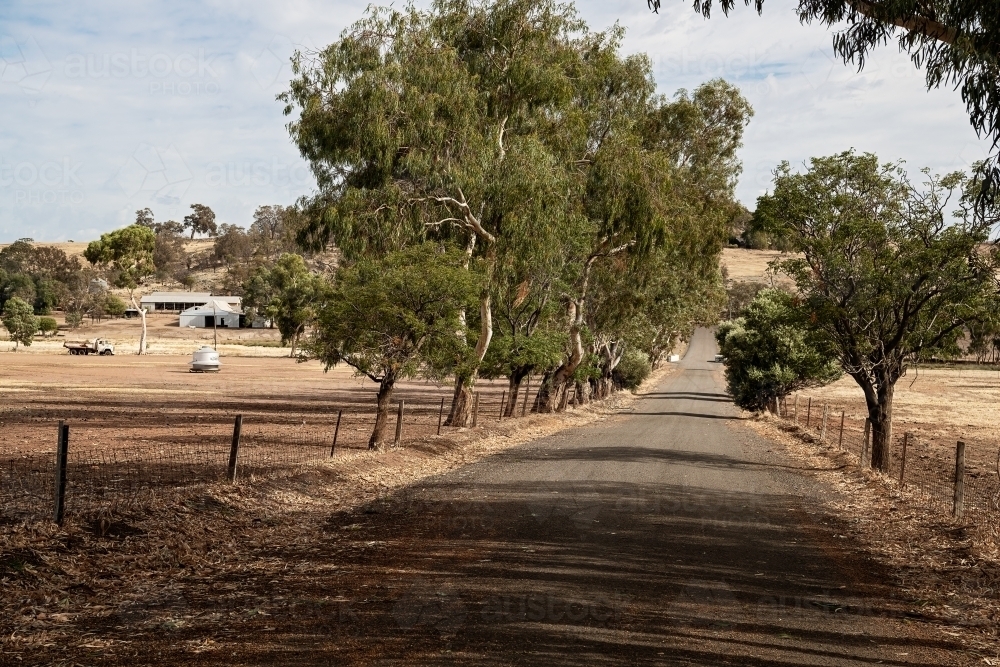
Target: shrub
[(632, 370), (770, 352), (114, 306), (47, 325)]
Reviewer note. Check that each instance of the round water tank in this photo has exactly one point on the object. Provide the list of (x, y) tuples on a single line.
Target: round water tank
[(205, 360)]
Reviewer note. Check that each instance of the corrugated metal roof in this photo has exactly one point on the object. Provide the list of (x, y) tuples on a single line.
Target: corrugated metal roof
[(206, 309), (184, 297)]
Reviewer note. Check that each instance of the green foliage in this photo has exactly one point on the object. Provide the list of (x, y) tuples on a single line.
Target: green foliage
[(288, 294), (393, 317), (43, 276), (770, 352), (113, 306), (632, 370), (594, 208), (47, 325), (887, 275), (519, 355), (127, 253), (74, 318), (201, 220), (19, 320)]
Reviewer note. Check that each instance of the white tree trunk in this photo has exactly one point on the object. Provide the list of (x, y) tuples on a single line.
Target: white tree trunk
[(142, 319)]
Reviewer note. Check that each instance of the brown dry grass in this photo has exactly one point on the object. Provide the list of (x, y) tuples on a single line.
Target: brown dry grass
[(90, 591), (750, 266)]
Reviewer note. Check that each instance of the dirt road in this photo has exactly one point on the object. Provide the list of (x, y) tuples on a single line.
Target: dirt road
[(669, 535)]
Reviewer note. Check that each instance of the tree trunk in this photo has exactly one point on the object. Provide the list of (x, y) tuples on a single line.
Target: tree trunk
[(583, 392), (142, 319), (514, 389), (880, 413), (461, 402), (554, 396), (382, 411)]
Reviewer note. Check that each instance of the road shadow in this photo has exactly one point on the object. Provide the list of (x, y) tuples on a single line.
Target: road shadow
[(554, 573)]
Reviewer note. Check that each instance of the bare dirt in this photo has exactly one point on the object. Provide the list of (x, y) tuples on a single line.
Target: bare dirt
[(105, 587)]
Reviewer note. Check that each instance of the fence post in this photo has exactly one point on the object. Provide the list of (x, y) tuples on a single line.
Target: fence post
[(62, 455), (795, 407), (840, 442), (503, 400), (864, 443), (958, 508), (902, 463), (399, 424), (475, 409), (440, 415), (809, 411), (336, 432), (234, 450), (527, 390), (822, 431)]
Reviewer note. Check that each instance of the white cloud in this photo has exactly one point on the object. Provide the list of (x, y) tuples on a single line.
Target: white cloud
[(167, 105)]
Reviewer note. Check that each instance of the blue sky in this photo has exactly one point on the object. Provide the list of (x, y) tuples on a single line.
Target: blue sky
[(111, 107)]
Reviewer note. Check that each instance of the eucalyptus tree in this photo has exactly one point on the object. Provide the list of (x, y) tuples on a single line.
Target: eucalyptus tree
[(127, 255), (393, 317), (288, 294), (459, 123), (888, 274), (659, 177)]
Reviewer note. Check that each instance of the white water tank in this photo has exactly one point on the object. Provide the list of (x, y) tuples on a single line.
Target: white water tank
[(205, 360)]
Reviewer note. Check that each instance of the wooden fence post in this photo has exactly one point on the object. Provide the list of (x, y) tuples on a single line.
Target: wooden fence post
[(399, 424), (809, 411), (234, 450), (958, 508), (527, 390), (822, 431), (475, 409), (840, 442), (503, 400), (902, 463), (62, 456), (864, 443), (440, 415), (336, 432), (795, 407)]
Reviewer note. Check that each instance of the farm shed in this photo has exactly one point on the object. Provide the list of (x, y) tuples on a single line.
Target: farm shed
[(201, 316), (158, 302)]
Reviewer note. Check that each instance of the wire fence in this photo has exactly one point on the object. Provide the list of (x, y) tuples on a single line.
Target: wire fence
[(126, 473), (943, 479)]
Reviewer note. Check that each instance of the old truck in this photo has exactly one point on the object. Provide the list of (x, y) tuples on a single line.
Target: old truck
[(96, 346)]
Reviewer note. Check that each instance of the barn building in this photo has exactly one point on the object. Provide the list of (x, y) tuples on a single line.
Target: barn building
[(160, 302), (222, 312)]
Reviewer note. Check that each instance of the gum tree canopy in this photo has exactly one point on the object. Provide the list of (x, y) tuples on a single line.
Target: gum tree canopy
[(957, 42), (890, 274), (393, 317), (509, 129), (127, 254)]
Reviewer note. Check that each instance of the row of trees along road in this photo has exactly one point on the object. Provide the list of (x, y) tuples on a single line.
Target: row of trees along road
[(590, 210), (891, 273)]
